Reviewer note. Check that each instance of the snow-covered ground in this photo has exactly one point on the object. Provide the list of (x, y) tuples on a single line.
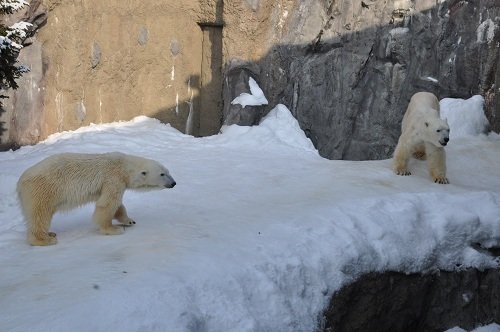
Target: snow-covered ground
[(257, 235), (488, 328)]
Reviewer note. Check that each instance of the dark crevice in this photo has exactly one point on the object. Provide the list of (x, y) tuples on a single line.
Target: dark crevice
[(394, 302)]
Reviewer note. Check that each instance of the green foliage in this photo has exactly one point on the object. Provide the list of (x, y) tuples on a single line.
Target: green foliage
[(11, 39)]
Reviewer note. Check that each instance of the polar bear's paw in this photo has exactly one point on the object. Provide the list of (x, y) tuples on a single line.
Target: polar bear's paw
[(441, 180), (47, 239), (402, 171), (126, 221), (112, 230)]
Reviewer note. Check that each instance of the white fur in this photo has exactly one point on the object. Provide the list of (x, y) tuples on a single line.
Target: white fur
[(423, 136), (68, 180)]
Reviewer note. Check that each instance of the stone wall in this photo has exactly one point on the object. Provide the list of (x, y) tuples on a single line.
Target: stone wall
[(397, 302), (347, 69)]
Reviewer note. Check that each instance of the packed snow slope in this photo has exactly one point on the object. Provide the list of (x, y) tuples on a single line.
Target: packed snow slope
[(257, 235)]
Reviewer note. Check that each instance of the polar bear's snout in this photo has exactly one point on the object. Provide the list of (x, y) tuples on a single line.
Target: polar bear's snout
[(444, 141), (170, 182), (167, 179)]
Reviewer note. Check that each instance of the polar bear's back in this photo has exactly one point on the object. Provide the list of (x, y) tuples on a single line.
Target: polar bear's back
[(71, 179), (423, 106), (74, 166)]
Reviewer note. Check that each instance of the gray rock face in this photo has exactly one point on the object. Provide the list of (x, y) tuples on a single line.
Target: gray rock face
[(395, 302), (350, 88)]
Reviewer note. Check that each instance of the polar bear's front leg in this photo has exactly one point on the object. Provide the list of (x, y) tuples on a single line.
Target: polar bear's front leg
[(105, 209), (122, 217), (436, 158), (400, 160)]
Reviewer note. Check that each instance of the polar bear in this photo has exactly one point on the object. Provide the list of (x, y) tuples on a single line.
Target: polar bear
[(68, 180), (423, 136)]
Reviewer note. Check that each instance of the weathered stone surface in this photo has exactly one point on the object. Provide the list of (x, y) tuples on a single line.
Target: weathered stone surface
[(348, 69), (396, 302), (106, 61), (24, 104)]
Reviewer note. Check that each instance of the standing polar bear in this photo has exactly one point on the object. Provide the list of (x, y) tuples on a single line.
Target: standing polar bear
[(423, 136), (68, 180)]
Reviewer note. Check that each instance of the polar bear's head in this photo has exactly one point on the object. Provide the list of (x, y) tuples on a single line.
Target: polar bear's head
[(148, 174), (437, 132)]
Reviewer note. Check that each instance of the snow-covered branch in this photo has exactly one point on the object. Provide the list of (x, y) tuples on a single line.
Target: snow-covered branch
[(11, 6)]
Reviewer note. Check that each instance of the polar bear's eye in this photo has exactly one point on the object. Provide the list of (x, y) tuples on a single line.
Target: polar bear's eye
[(144, 173), (162, 174), (439, 130)]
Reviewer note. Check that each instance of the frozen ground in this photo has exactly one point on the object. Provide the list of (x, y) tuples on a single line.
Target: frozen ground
[(257, 235)]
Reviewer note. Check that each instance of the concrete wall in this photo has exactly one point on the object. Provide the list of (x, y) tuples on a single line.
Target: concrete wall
[(96, 61)]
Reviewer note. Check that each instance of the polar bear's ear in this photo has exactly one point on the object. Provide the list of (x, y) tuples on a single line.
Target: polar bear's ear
[(427, 124)]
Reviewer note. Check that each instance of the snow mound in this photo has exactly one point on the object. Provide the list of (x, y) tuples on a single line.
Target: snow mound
[(257, 235), (465, 117), (278, 126)]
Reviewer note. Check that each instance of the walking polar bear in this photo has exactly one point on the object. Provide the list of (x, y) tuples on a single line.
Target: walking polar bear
[(68, 180), (423, 136)]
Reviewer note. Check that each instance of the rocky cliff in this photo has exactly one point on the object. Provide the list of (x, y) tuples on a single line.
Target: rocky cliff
[(396, 302), (347, 69)]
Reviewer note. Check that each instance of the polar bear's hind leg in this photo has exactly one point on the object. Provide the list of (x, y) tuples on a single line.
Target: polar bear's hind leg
[(38, 226)]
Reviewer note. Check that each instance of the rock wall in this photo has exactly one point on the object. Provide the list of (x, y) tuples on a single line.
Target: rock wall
[(396, 302), (346, 69)]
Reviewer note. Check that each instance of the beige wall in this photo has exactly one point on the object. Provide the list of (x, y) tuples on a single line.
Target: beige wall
[(98, 61), (113, 60)]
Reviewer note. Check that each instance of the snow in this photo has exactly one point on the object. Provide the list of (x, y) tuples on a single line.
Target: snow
[(431, 79), (488, 328), (257, 235), (399, 31), (19, 29), (13, 5), (465, 117), (254, 98), (486, 31)]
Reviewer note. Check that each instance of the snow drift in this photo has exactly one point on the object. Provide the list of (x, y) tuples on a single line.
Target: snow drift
[(257, 235)]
